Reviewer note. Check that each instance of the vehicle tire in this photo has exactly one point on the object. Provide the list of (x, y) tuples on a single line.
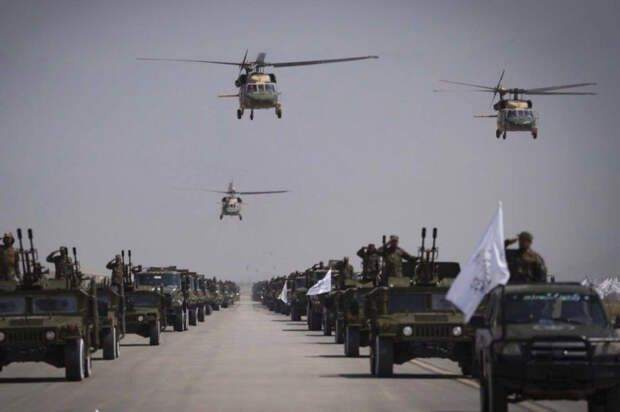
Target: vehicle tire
[(373, 360), (207, 309), (109, 344), (186, 320), (384, 349), (193, 316), (74, 360), (88, 362), (327, 330), (309, 316), (352, 342), (504, 136), (612, 399), (339, 331), (216, 307), (201, 314), (154, 333), (293, 313), (118, 345), (534, 135), (484, 395), (467, 367), (497, 133), (497, 397), (178, 322)]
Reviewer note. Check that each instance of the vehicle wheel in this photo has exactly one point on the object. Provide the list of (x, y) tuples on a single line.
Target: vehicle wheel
[(109, 344), (74, 360), (178, 322), (497, 133), (201, 313), (504, 136), (339, 331), (186, 320), (193, 316), (308, 316), (384, 348), (534, 135), (279, 113), (221, 217), (373, 360), (327, 330), (497, 397), (252, 115), (207, 309), (118, 345), (466, 366), (352, 342), (154, 333), (484, 395), (88, 362)]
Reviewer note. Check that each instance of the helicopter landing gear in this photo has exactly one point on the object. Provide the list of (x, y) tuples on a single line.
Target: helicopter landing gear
[(497, 133), (279, 113), (221, 217), (504, 136), (534, 135), (240, 217), (252, 115), (239, 113)]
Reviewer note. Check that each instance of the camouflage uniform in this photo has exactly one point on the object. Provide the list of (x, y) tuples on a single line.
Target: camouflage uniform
[(116, 266), (62, 263), (9, 259), (371, 262), (524, 264), (393, 257)]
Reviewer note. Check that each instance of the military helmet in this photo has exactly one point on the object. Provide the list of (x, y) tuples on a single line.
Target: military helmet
[(8, 236), (393, 238), (526, 236)]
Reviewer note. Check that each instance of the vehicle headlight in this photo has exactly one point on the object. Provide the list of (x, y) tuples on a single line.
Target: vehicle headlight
[(140, 318), (407, 331), (511, 349), (457, 331), (50, 335), (606, 349), (2, 336)]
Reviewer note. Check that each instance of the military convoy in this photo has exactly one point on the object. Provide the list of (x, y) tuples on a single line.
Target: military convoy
[(63, 320)]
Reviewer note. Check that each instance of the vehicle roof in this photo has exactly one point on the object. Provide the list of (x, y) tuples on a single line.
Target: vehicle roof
[(549, 287)]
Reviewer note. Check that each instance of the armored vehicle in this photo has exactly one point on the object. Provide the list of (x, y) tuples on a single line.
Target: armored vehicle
[(352, 317), (409, 317), (318, 316), (111, 309), (258, 289), (205, 296), (169, 281), (333, 306), (297, 299), (55, 321), (193, 299), (547, 341)]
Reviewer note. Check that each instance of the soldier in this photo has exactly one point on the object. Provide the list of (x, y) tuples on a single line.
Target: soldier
[(62, 263), (116, 266), (9, 258), (371, 262), (524, 264), (393, 257)]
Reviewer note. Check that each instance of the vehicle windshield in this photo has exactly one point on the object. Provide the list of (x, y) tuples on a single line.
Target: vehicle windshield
[(439, 302), (270, 87), (165, 279), (12, 306), (554, 307), (406, 303), (142, 300), (56, 304), (300, 283)]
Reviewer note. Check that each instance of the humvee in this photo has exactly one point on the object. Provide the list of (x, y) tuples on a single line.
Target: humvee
[(297, 299), (547, 341), (171, 284), (193, 298), (352, 316), (48, 320), (205, 297), (111, 309), (319, 317)]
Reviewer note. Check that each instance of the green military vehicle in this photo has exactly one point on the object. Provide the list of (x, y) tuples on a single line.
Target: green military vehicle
[(409, 317), (214, 296), (111, 309), (205, 296), (258, 290), (170, 282), (297, 298), (193, 299), (55, 321), (317, 317), (547, 341), (352, 317), (334, 306)]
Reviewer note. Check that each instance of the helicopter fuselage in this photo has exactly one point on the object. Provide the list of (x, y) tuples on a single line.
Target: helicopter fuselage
[(258, 91), (231, 206), (515, 116)]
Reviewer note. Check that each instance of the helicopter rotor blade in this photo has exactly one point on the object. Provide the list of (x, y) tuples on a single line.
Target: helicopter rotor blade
[(262, 193), (311, 62), (499, 84), (560, 93), (470, 85), (187, 60), (564, 86), (199, 189), (242, 65)]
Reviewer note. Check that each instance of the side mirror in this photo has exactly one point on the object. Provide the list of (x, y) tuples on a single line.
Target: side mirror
[(478, 322)]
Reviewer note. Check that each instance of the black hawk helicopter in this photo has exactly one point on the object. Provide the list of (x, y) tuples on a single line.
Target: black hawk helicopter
[(257, 90), (516, 114)]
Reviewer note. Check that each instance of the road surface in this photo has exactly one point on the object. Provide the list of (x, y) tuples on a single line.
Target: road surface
[(245, 358)]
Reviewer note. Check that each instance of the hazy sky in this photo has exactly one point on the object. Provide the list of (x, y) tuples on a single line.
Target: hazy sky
[(93, 142)]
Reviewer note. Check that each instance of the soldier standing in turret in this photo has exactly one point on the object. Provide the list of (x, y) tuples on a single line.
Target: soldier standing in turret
[(116, 266), (9, 258), (393, 257), (371, 263), (62, 263), (525, 265)]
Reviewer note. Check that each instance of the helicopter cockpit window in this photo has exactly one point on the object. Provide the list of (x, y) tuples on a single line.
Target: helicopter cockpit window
[(251, 88), (261, 87), (270, 87)]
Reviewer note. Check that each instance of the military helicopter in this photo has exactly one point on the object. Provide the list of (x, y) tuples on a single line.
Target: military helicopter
[(516, 114), (231, 203), (257, 90)]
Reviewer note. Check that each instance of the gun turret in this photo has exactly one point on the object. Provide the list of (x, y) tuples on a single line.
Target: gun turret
[(434, 248), (22, 255)]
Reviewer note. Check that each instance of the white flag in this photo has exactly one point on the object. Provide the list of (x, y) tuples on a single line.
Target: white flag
[(322, 286), (484, 270), (283, 296)]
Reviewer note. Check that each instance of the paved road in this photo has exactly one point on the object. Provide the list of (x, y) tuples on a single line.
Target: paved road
[(244, 358)]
